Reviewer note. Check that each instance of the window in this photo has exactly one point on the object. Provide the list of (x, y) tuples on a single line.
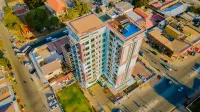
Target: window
[(88, 67), (89, 71), (93, 51), (86, 43), (104, 40), (112, 33), (88, 58), (92, 40), (88, 53), (92, 45), (87, 48), (104, 34), (88, 63)]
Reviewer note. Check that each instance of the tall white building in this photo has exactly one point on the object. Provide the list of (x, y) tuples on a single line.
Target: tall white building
[(108, 49)]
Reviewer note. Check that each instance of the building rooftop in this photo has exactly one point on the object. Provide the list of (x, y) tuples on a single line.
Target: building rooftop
[(123, 6), (162, 5), (4, 89), (142, 13), (175, 45), (51, 67), (124, 26), (66, 77), (57, 5), (57, 45), (85, 24)]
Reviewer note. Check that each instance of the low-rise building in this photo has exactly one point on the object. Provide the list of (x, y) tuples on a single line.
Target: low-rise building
[(145, 18), (56, 7), (7, 98), (174, 10), (175, 38), (160, 5), (47, 59)]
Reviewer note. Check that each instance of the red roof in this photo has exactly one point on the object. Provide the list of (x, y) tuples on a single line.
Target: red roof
[(141, 13), (57, 5), (67, 77)]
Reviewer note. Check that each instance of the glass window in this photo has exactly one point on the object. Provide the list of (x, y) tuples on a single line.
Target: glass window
[(92, 40), (88, 53), (88, 58), (87, 48), (86, 43)]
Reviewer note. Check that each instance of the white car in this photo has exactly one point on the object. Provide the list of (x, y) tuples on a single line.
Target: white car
[(52, 102), (53, 39), (48, 39), (27, 64), (168, 68), (54, 107), (51, 97)]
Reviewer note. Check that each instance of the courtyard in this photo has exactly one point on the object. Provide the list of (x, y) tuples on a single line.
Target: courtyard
[(72, 99)]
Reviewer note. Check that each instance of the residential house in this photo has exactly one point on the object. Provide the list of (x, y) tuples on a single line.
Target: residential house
[(145, 18), (175, 37), (160, 5), (56, 7), (174, 10), (47, 59), (7, 102)]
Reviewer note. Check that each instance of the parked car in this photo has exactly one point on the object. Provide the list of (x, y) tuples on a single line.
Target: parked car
[(154, 52), (54, 107), (16, 50), (168, 68), (51, 97), (48, 38), (141, 53), (91, 92), (27, 64), (22, 107), (52, 103), (32, 70)]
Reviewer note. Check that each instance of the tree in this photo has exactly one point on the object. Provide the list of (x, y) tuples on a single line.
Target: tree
[(192, 8), (79, 9), (140, 3), (13, 23), (54, 20), (37, 18), (34, 3), (4, 62), (1, 45)]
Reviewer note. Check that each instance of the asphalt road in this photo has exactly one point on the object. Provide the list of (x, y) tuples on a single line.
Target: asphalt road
[(160, 96), (27, 92)]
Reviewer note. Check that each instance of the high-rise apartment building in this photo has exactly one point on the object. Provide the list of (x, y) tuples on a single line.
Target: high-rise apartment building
[(109, 49)]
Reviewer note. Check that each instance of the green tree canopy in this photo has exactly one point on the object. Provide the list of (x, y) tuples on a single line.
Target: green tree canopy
[(79, 9), (13, 23), (54, 20), (38, 18), (34, 3), (140, 3), (1, 45)]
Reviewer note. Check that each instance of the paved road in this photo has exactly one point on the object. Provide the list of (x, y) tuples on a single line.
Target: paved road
[(28, 92), (159, 95)]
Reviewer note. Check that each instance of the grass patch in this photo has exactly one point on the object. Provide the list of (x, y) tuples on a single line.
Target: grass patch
[(195, 106), (10, 1), (73, 100)]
